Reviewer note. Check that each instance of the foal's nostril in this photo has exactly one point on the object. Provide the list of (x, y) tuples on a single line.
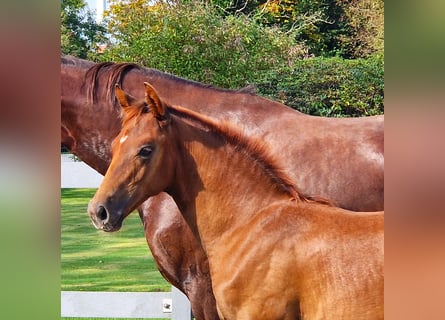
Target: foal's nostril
[(102, 213)]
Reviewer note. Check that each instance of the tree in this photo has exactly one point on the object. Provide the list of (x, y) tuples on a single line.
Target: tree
[(231, 44), (347, 28), (365, 20), (196, 40), (80, 33)]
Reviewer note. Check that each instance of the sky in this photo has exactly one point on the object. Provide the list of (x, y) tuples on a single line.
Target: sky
[(91, 4)]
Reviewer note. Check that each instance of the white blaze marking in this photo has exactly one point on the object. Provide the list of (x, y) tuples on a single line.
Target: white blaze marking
[(122, 140)]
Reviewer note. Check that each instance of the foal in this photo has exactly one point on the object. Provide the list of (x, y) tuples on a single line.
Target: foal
[(273, 253)]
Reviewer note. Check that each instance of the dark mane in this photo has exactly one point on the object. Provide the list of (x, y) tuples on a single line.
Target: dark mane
[(255, 149), (114, 73)]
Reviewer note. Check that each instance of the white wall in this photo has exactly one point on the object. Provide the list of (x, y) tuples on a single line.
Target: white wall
[(75, 174)]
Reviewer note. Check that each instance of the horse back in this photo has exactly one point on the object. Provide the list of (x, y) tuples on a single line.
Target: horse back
[(326, 261)]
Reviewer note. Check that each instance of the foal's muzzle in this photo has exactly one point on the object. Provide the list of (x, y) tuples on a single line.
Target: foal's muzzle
[(102, 219)]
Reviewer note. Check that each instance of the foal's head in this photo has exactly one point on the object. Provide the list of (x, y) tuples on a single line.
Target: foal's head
[(142, 162)]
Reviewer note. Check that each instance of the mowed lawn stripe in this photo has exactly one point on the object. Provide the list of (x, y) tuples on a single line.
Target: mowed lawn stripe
[(92, 260)]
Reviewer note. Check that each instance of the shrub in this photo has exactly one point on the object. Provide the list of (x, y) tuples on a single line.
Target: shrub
[(194, 40), (329, 86), (197, 41)]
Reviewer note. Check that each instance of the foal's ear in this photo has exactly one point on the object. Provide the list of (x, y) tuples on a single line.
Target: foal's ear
[(156, 106), (125, 99)]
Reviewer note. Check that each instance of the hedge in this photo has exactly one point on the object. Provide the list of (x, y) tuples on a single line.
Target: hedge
[(332, 87)]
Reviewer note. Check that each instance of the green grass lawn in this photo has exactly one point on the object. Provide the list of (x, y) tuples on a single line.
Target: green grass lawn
[(112, 318), (92, 260)]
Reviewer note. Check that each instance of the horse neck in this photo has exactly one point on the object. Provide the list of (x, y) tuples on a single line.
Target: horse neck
[(87, 135), (219, 186), (87, 128), (213, 102)]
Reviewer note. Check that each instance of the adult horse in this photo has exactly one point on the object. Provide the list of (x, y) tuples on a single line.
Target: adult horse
[(341, 159), (337, 158), (273, 252)]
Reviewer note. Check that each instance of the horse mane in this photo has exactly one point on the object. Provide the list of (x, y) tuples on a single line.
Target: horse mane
[(253, 148), (115, 72)]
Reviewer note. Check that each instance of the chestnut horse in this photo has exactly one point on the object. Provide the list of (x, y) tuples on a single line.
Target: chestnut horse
[(337, 158), (273, 252)]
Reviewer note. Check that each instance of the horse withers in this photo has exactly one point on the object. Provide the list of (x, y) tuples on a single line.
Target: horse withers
[(273, 252)]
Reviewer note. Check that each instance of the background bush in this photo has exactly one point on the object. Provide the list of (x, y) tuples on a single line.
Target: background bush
[(302, 60), (195, 40), (329, 86), (79, 32)]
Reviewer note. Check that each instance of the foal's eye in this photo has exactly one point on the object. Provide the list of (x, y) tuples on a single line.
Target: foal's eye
[(145, 109), (145, 152)]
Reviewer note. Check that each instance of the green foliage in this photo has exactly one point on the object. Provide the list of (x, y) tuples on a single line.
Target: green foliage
[(194, 40), (346, 28), (79, 32), (365, 21), (332, 87), (211, 43), (233, 7)]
